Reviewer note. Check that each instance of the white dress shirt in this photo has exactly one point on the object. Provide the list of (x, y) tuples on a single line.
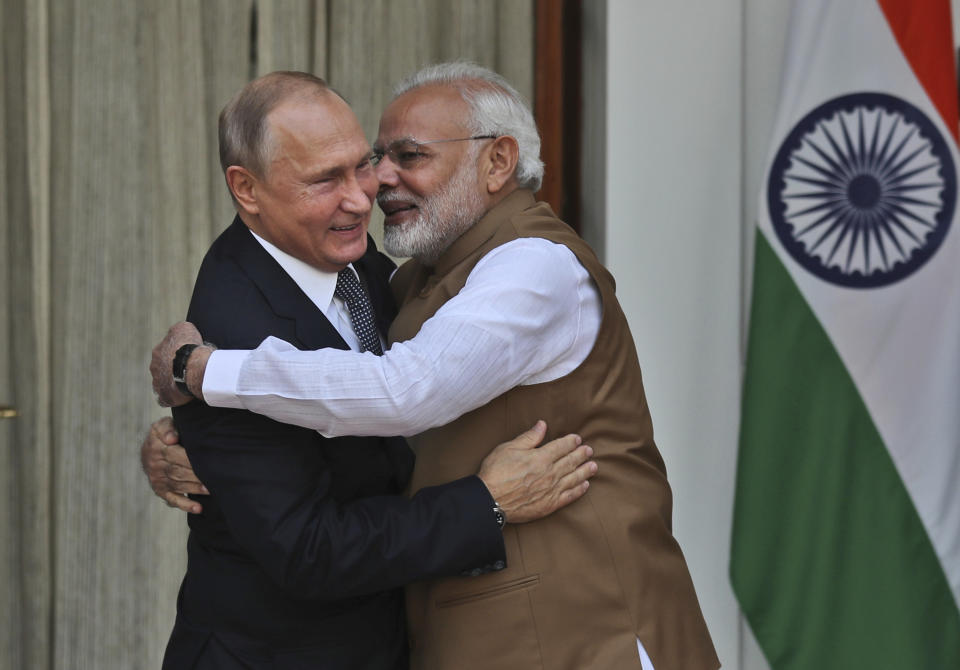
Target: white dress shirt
[(528, 313), (319, 286)]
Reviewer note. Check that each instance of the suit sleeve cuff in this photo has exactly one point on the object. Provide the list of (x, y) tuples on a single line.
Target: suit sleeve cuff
[(481, 518)]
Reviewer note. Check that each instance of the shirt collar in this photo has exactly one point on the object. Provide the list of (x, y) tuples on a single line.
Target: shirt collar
[(317, 284)]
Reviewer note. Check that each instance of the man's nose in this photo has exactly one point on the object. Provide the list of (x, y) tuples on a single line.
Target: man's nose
[(355, 198), (387, 172)]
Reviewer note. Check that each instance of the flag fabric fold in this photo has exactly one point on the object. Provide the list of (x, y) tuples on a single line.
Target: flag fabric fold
[(846, 537)]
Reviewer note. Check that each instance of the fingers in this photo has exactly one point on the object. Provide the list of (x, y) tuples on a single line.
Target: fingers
[(578, 476), (182, 503), (163, 425), (174, 454), (151, 451), (530, 438), (168, 469), (574, 459), (179, 471), (556, 449), (575, 470), (561, 482), (529, 482), (570, 488), (193, 488), (165, 431), (180, 476), (572, 495)]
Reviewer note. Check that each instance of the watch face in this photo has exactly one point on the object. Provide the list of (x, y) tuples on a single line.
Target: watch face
[(498, 515)]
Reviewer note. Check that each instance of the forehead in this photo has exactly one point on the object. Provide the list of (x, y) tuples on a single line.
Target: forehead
[(425, 113), (314, 126)]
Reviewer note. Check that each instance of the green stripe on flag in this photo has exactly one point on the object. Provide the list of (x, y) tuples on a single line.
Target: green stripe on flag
[(830, 562)]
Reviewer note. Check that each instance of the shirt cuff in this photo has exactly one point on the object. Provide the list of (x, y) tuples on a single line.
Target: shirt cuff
[(221, 378)]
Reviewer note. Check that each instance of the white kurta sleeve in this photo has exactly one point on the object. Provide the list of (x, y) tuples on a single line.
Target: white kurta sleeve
[(528, 312)]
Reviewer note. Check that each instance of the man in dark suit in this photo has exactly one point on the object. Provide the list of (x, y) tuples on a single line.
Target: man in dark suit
[(304, 541)]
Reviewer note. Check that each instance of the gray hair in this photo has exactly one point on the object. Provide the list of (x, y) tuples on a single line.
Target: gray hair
[(243, 132), (496, 108)]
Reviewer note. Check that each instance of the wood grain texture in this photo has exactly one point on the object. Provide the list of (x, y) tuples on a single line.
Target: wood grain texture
[(557, 104)]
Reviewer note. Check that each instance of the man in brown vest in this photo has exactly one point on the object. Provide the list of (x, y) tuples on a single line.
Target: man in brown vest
[(506, 316)]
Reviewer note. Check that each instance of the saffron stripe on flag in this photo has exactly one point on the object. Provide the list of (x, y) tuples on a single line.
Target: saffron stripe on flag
[(924, 32)]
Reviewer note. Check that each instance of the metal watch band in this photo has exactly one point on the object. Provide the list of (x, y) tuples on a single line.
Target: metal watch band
[(499, 515), (180, 368)]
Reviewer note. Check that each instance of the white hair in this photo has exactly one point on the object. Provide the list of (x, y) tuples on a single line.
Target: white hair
[(496, 108)]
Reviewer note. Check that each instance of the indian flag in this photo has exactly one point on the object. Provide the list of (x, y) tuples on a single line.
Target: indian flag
[(846, 537)]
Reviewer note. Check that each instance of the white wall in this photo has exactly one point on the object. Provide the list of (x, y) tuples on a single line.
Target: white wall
[(691, 90), (686, 109)]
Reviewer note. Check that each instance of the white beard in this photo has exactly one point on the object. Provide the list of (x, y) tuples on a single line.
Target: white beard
[(443, 217)]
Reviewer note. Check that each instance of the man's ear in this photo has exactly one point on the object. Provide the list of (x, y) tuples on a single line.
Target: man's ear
[(501, 162), (243, 185)]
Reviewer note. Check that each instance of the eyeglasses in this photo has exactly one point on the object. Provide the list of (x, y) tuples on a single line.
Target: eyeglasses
[(406, 153)]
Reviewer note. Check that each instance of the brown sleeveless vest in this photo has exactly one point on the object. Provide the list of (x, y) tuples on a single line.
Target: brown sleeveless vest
[(583, 584)]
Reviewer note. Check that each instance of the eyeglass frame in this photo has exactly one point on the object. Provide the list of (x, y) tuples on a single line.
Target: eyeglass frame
[(376, 156)]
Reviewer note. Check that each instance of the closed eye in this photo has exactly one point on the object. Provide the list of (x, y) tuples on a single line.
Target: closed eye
[(410, 156)]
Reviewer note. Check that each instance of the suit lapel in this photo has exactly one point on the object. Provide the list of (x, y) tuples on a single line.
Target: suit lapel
[(285, 297)]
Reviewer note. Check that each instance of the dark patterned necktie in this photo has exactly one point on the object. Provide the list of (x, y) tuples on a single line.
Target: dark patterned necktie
[(361, 311)]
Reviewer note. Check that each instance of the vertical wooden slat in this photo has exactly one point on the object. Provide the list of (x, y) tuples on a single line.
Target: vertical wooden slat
[(26, 153), (548, 98), (573, 106), (557, 103)]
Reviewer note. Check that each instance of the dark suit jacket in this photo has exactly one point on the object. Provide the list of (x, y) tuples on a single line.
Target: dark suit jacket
[(296, 559)]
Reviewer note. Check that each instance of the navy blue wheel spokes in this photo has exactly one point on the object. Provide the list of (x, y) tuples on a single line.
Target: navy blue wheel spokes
[(862, 191)]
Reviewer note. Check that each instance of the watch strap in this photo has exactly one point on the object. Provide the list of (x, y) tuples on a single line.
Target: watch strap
[(498, 514), (180, 360)]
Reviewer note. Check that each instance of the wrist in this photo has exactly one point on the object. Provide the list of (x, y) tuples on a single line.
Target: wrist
[(178, 369), (499, 515), (196, 368)]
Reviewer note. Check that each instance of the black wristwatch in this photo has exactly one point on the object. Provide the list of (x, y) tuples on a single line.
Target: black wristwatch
[(499, 515), (180, 368)]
